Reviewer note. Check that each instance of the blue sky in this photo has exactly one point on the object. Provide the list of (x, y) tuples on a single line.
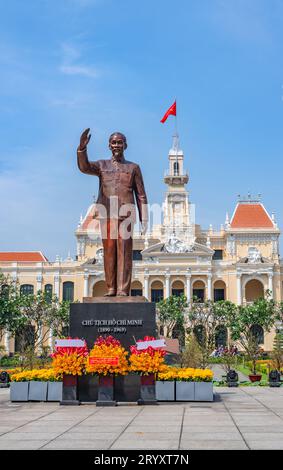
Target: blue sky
[(118, 65)]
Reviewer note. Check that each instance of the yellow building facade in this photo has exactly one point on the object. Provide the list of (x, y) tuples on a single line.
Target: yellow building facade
[(238, 262)]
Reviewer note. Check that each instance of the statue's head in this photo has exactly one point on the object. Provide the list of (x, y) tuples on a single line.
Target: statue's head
[(117, 144)]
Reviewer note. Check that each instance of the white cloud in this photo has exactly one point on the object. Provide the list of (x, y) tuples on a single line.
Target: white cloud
[(70, 62), (79, 70)]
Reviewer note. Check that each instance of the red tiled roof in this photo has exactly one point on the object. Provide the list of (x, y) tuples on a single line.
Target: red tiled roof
[(251, 216), (35, 256)]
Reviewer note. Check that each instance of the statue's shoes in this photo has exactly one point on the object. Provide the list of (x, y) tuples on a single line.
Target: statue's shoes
[(122, 294), (110, 293)]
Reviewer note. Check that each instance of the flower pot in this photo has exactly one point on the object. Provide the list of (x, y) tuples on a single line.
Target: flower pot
[(19, 391), (165, 390), (255, 377), (106, 391), (185, 391), (37, 391), (147, 390), (203, 391), (54, 391), (70, 390)]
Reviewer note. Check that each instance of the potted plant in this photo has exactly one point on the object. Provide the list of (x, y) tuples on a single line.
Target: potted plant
[(37, 382), (147, 363), (107, 359), (19, 388), (194, 385), (70, 363), (165, 384)]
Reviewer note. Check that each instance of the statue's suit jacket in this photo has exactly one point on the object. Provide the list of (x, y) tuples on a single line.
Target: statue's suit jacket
[(117, 180)]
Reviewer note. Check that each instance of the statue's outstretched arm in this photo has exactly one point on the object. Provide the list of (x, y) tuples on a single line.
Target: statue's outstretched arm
[(91, 168)]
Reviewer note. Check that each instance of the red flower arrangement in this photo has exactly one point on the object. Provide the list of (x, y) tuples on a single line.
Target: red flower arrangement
[(107, 357), (69, 360), (146, 361)]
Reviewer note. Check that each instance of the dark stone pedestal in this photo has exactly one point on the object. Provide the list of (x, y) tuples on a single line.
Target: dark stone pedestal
[(123, 319), (147, 390), (106, 392), (70, 390)]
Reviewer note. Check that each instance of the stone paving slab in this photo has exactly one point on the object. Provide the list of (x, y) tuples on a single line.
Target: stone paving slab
[(238, 419)]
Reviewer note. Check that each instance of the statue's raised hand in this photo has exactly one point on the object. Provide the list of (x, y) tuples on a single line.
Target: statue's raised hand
[(85, 138)]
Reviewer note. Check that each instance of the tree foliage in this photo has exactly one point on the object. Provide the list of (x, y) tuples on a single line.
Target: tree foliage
[(171, 314)]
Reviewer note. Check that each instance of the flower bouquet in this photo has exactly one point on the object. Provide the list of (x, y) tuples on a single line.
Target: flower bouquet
[(71, 363), (147, 362), (107, 359)]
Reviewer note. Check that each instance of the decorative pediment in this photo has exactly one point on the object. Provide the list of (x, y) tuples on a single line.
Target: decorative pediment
[(254, 257), (177, 246)]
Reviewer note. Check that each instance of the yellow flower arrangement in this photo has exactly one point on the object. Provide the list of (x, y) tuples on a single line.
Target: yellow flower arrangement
[(185, 374), (195, 375), (147, 363), (40, 375), (69, 364), (109, 357), (168, 373)]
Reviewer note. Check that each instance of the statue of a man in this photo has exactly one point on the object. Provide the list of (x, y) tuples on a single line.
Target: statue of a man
[(119, 180)]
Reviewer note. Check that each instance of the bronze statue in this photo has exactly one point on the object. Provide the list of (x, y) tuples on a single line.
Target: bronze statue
[(119, 180)]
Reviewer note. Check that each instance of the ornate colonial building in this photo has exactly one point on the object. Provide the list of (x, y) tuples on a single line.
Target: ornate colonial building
[(239, 262)]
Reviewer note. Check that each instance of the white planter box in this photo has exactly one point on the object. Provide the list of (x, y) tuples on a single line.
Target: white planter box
[(185, 391), (37, 391), (19, 391), (165, 390), (203, 391), (54, 391)]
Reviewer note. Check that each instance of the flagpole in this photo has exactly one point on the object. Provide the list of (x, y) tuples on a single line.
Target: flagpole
[(176, 133)]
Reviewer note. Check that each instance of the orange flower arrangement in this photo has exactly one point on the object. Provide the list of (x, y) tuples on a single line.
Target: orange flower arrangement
[(147, 361), (107, 357), (69, 361)]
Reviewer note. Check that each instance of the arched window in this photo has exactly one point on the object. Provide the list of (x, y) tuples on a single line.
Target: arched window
[(199, 291), (157, 291), (258, 333), (26, 289), (48, 289), (254, 290), (221, 336), (68, 291), (219, 291), (99, 289), (136, 289), (178, 288), (176, 168)]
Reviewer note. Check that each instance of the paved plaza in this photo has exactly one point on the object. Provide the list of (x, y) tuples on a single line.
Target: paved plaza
[(242, 418)]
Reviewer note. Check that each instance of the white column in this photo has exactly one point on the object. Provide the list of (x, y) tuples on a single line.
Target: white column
[(57, 285), (270, 283), (188, 287), (39, 280), (209, 285), (86, 276), (7, 342), (146, 286), (239, 289), (167, 286)]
